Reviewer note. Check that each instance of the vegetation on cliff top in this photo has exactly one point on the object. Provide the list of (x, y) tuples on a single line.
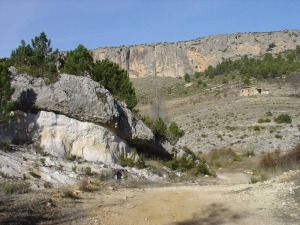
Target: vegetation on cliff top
[(38, 59), (268, 66)]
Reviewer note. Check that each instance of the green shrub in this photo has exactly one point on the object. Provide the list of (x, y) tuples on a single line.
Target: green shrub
[(219, 136), (5, 146), (70, 157), (134, 160), (198, 74), (140, 163), (230, 128), (253, 180), (187, 77), (74, 168), (283, 118), (247, 81), (224, 81), (199, 83), (256, 128), (88, 171), (124, 160), (174, 132), (160, 128), (261, 120), (47, 184), (188, 164), (42, 160)]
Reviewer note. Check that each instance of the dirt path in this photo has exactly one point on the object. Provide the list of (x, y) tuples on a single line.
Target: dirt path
[(224, 203)]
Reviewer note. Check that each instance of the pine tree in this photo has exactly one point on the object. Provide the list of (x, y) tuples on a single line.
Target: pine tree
[(37, 58), (78, 62), (115, 79), (5, 94)]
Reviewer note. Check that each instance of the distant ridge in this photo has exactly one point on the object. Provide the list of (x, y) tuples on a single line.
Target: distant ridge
[(177, 58)]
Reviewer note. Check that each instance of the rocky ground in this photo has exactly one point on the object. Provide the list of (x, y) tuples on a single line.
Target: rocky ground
[(218, 118), (55, 190), (227, 199)]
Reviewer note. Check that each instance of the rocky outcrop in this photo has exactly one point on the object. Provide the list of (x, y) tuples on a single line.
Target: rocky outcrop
[(78, 116), (62, 136), (176, 59)]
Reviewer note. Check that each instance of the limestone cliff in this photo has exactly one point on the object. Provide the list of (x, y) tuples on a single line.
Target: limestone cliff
[(176, 59), (77, 116)]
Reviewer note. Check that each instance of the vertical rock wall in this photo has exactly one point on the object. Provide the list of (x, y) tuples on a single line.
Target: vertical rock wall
[(176, 59)]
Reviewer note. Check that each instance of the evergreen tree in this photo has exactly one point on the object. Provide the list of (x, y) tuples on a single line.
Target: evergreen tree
[(5, 94), (161, 128), (174, 132), (37, 58), (115, 79), (78, 62)]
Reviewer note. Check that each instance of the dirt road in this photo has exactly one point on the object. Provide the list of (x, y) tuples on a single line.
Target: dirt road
[(268, 203)]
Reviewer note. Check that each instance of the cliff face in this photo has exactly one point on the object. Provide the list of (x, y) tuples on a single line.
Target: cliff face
[(176, 59), (77, 116)]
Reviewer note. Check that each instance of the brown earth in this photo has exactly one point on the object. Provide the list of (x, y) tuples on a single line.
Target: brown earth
[(228, 199)]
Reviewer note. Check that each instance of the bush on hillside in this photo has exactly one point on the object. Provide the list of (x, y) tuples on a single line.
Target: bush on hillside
[(188, 164), (187, 77), (160, 129), (263, 67), (283, 118), (174, 132), (274, 163)]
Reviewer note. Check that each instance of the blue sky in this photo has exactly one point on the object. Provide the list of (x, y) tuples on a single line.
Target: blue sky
[(126, 22)]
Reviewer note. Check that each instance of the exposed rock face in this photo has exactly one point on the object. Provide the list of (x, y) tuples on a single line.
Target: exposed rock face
[(176, 59), (60, 136), (77, 115)]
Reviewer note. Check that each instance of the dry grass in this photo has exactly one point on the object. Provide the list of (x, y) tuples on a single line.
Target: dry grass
[(10, 186), (222, 157), (88, 185), (274, 163), (71, 194), (288, 161)]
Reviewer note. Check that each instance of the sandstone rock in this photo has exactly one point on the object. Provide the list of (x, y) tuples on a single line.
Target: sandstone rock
[(176, 59), (79, 99)]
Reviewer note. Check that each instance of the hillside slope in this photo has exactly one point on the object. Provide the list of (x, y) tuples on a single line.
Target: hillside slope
[(176, 59)]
